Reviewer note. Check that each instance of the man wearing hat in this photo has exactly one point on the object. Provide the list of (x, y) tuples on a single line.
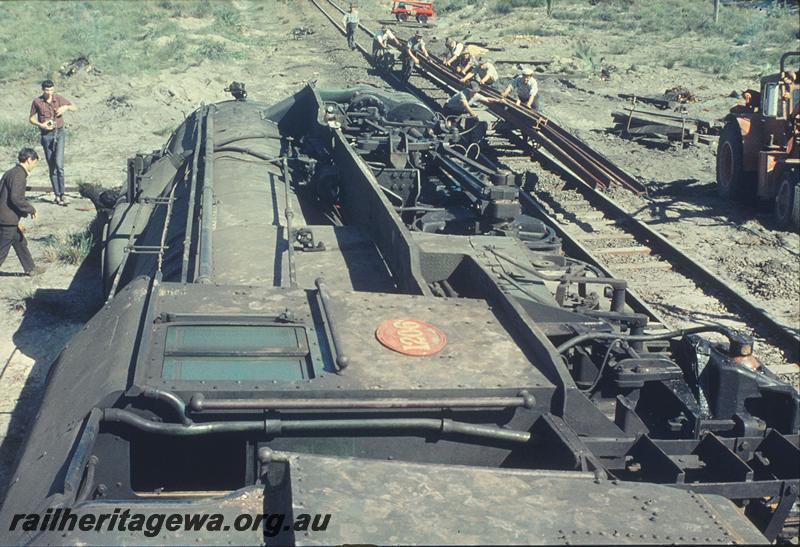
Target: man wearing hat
[(486, 73), (382, 41), (454, 49), (464, 63), (526, 89), (415, 47), (461, 103)]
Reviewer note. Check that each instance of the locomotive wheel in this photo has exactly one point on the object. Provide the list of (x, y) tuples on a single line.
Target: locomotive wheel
[(422, 18), (401, 17), (787, 202), (732, 180)]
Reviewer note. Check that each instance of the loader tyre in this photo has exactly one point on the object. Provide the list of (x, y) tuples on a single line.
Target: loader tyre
[(733, 181), (422, 18), (787, 201)]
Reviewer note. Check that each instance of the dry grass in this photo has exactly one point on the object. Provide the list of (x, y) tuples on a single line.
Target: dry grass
[(70, 248), (18, 134), (116, 36), (748, 38), (507, 6)]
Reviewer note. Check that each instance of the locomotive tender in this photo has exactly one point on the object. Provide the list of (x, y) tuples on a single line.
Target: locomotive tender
[(336, 305)]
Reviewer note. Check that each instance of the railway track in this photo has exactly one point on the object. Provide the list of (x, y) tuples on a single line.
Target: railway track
[(665, 283)]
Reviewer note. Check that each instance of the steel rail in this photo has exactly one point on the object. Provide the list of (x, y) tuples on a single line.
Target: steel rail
[(554, 140), (784, 336), (592, 166)]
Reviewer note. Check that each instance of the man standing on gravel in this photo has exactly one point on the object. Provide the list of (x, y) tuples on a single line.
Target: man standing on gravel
[(350, 22), (47, 113), (526, 89), (13, 205)]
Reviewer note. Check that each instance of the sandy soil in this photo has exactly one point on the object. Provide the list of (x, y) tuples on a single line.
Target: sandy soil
[(119, 116)]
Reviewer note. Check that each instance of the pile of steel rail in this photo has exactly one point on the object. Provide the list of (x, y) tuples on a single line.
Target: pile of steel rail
[(588, 164)]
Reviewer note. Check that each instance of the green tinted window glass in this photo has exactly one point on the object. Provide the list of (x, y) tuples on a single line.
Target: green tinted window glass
[(235, 368), (199, 338)]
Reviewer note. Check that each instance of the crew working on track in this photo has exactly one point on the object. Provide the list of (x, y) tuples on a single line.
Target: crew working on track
[(415, 47), (454, 50), (350, 23), (486, 73), (13, 206), (382, 41), (526, 89)]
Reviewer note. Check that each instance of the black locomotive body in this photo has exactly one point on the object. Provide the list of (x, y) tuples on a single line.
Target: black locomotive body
[(335, 305)]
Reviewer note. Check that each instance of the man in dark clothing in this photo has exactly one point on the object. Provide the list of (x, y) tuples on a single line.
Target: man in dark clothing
[(47, 113), (13, 205)]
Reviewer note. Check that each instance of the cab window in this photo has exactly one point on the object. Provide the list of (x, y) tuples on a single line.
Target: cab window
[(769, 101)]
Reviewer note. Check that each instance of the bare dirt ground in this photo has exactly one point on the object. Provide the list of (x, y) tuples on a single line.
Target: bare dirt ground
[(119, 116)]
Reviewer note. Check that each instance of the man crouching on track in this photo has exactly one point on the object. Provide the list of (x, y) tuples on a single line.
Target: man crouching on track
[(13, 205), (486, 73), (415, 47), (460, 106), (382, 41), (526, 88)]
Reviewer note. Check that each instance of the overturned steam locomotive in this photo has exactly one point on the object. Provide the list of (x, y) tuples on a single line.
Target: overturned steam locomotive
[(334, 305)]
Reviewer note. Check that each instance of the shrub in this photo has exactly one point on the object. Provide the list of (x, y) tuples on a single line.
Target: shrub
[(449, 6), (71, 248), (214, 50), (18, 134), (507, 6), (585, 52), (227, 16)]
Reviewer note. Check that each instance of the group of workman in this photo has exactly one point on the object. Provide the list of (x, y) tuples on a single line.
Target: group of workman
[(47, 114), (474, 71)]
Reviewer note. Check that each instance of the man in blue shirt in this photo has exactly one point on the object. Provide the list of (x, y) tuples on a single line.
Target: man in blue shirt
[(350, 23)]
